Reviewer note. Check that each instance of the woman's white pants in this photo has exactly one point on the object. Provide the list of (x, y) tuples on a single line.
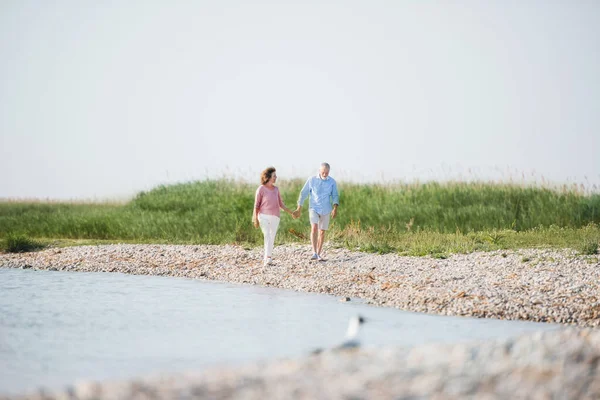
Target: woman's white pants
[(269, 225)]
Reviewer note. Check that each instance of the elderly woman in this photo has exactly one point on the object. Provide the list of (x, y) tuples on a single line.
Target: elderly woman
[(266, 210)]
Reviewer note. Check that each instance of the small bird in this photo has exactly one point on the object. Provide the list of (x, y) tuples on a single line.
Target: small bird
[(351, 341), (352, 333)]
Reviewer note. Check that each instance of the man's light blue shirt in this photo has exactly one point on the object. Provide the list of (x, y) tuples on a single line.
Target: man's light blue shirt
[(321, 193)]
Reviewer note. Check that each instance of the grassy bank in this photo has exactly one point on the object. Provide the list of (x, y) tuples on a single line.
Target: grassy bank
[(417, 219)]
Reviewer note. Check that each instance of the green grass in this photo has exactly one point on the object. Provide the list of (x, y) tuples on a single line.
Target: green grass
[(19, 243), (414, 219), (589, 246)]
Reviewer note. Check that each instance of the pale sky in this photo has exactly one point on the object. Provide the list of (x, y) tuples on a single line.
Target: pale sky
[(103, 99)]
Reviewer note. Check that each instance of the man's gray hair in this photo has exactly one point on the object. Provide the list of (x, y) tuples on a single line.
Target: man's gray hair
[(325, 165)]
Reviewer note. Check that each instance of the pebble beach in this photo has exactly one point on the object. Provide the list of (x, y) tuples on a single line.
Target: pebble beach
[(553, 365), (554, 286)]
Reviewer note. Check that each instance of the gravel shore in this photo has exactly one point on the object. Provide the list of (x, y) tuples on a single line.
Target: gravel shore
[(559, 364), (535, 285)]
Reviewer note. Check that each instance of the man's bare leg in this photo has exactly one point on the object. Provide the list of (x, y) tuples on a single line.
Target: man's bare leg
[(320, 241), (313, 238)]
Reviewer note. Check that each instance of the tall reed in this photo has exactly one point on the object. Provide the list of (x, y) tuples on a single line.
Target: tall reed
[(219, 211)]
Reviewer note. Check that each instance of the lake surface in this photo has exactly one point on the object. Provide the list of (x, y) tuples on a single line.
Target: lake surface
[(57, 328)]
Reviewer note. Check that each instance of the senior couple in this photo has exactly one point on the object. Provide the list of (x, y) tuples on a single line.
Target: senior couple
[(322, 193)]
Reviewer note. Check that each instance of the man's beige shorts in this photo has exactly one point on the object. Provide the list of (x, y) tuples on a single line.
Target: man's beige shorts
[(321, 220)]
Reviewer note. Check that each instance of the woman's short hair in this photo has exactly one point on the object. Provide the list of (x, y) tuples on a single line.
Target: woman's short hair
[(266, 175)]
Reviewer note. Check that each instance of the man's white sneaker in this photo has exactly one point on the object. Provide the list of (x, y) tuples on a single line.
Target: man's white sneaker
[(319, 258), (315, 257)]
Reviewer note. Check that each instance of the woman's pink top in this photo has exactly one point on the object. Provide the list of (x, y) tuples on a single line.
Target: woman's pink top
[(268, 201)]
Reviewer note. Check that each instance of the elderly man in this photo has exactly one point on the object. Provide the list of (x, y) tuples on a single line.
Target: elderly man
[(323, 203)]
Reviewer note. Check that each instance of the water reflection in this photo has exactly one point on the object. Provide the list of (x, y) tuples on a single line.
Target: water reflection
[(60, 327)]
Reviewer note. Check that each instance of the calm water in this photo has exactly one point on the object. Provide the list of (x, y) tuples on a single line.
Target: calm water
[(60, 327)]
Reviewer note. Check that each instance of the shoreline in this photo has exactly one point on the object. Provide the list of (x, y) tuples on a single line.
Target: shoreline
[(558, 364), (557, 286), (534, 285)]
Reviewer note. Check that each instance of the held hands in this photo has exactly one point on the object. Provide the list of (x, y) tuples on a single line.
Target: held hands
[(296, 213)]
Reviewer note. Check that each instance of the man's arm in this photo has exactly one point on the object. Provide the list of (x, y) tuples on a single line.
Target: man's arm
[(335, 197), (302, 197)]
